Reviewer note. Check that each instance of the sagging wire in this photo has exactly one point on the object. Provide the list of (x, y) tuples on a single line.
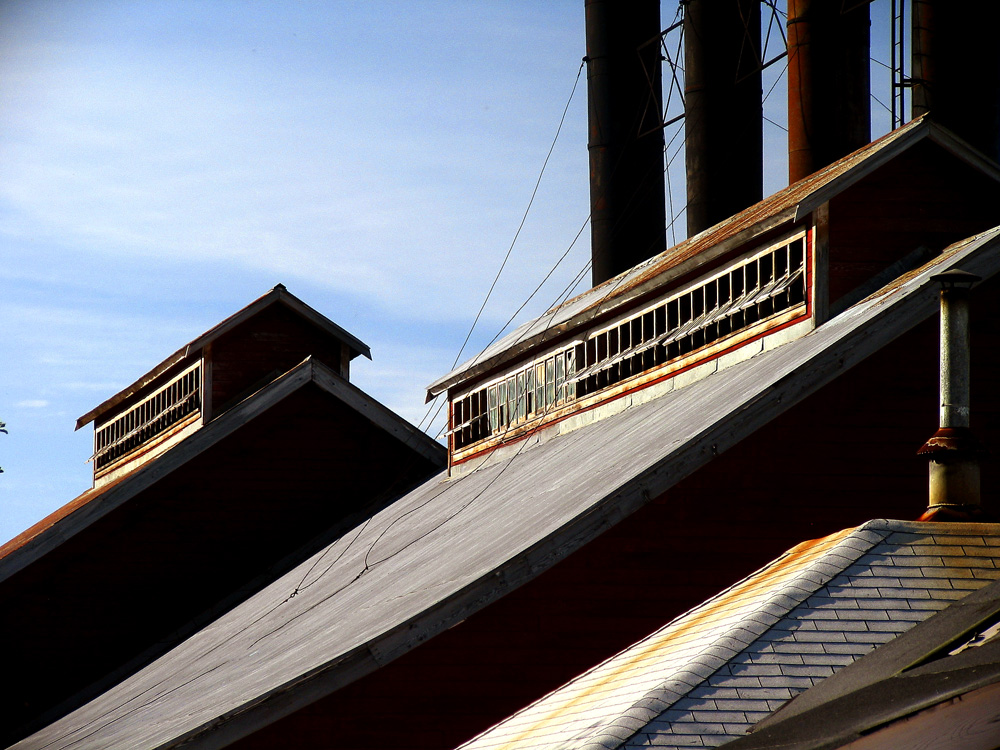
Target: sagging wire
[(440, 403), (428, 419), (367, 563), (524, 218)]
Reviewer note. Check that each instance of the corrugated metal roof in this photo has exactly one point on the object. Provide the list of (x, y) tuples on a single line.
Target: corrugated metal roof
[(784, 207), (279, 294), (713, 673), (450, 548)]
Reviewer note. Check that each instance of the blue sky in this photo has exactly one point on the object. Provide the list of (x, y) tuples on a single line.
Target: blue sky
[(162, 164)]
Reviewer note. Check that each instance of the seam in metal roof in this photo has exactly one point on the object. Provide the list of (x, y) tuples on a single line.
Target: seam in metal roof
[(391, 588), (709, 676)]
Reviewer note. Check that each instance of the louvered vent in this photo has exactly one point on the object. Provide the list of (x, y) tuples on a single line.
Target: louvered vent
[(751, 291)]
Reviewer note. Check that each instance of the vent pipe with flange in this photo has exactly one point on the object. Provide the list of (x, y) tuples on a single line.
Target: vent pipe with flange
[(625, 139), (953, 451)]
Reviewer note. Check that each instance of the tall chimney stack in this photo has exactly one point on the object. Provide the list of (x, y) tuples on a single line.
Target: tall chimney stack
[(829, 114), (723, 121), (956, 69), (953, 451), (624, 91)]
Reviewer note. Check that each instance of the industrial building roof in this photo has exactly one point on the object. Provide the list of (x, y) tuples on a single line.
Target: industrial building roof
[(699, 252), (90, 506), (451, 547), (935, 686), (709, 676), (278, 295)]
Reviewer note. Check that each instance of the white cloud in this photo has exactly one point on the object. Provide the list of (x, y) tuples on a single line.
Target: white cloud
[(36, 403)]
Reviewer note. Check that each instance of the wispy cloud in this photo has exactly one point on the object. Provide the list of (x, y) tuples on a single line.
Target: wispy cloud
[(160, 167), (32, 404)]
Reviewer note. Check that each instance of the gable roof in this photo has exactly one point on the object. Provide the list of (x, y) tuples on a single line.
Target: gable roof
[(95, 503), (916, 677), (278, 295), (193, 532), (710, 675), (387, 587), (784, 208)]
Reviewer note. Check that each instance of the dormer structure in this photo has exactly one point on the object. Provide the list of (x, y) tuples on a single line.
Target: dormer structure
[(763, 277), (211, 374), (233, 460)]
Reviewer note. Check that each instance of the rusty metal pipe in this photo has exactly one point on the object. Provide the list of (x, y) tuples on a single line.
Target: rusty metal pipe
[(953, 451), (955, 348), (723, 124), (829, 114), (625, 140)]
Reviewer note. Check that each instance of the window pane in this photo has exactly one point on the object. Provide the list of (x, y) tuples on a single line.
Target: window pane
[(570, 372), (511, 401), (494, 418), (560, 378), (550, 382), (540, 388), (520, 396)]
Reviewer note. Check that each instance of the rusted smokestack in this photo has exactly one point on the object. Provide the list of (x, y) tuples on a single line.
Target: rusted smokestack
[(953, 451), (723, 109), (624, 91), (829, 114), (956, 69)]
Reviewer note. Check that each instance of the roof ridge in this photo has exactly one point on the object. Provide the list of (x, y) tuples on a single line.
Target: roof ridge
[(848, 544), (278, 294)]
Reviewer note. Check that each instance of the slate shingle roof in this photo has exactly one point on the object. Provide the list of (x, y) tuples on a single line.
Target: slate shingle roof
[(937, 685), (710, 675)]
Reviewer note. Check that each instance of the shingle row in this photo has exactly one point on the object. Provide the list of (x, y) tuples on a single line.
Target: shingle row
[(901, 580)]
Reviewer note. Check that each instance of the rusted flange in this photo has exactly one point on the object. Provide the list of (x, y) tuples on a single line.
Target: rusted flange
[(952, 443)]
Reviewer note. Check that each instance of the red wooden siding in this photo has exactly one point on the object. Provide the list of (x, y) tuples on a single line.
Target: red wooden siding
[(925, 197), (270, 343)]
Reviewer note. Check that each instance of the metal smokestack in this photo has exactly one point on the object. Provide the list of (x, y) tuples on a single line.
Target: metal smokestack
[(624, 91), (956, 69), (953, 451), (829, 114), (723, 121)]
